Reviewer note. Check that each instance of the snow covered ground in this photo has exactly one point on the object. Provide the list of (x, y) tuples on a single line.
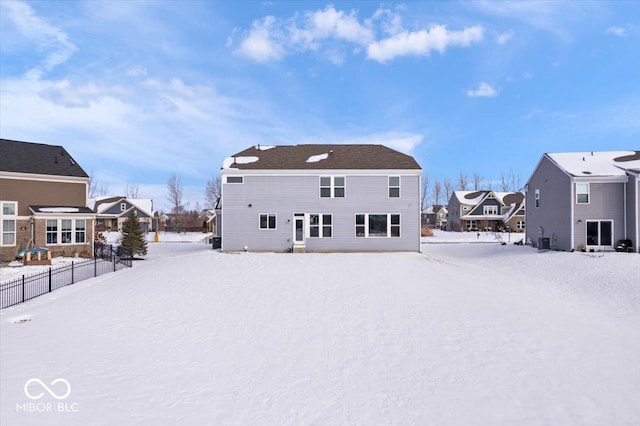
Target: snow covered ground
[(461, 334)]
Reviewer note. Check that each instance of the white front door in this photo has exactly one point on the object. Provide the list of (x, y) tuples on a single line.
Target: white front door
[(298, 229)]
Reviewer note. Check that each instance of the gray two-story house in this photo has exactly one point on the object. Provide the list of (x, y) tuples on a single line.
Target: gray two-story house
[(320, 198), (584, 200), (486, 210)]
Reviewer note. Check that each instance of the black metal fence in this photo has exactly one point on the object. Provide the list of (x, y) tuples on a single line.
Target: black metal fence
[(107, 259)]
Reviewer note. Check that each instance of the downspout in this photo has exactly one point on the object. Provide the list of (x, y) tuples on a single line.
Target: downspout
[(625, 210), (637, 241)]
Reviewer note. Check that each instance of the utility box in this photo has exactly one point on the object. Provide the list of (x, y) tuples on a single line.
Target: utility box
[(216, 242), (544, 243)]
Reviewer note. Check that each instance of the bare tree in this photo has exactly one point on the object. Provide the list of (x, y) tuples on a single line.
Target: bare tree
[(174, 187), (424, 195), (448, 189), (132, 191), (96, 188), (477, 181), (504, 182), (437, 191), (212, 192), (463, 181)]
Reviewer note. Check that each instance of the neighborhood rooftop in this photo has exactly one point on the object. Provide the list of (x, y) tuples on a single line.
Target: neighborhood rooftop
[(36, 158), (609, 163), (320, 157)]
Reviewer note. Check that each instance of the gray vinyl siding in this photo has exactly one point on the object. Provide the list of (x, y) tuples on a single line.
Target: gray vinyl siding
[(453, 219), (633, 211), (606, 202), (553, 218), (285, 195)]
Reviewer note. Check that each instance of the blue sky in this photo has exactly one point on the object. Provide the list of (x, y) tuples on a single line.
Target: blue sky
[(139, 90)]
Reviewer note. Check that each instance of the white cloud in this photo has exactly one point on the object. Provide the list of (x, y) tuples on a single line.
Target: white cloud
[(617, 31), (401, 141), (484, 90), (262, 43), (330, 31), (505, 37), (47, 36), (421, 43)]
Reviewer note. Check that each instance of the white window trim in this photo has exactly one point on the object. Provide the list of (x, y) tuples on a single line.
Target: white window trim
[(320, 225), (275, 220), (14, 218), (59, 231), (599, 221), (366, 225), (521, 224), (332, 187), (123, 207), (389, 186), (494, 209), (579, 193)]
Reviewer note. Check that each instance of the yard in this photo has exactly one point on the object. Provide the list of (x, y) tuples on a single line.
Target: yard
[(466, 332)]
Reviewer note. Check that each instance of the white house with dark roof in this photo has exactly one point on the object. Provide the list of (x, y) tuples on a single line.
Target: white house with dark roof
[(584, 200), (486, 210), (320, 198)]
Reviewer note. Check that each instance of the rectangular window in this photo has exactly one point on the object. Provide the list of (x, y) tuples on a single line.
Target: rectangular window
[(8, 217), (600, 233), (377, 225), (332, 186), (320, 226), (52, 231), (537, 197), (235, 179), (394, 186), (80, 231), (520, 224), (582, 193), (123, 207), (471, 225), (267, 221), (360, 226), (489, 210), (8, 232), (65, 231)]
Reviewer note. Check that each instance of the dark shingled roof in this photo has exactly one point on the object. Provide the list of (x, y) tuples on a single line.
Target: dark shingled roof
[(37, 158), (340, 157)]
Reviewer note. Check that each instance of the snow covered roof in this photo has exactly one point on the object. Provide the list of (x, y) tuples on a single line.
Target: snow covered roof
[(321, 157), (473, 198), (435, 209), (102, 204), (601, 164), (61, 209)]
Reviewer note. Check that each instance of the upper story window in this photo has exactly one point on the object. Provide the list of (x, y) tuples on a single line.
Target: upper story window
[(537, 198), (489, 210), (8, 216), (394, 186), (123, 207), (332, 186), (582, 193), (235, 179)]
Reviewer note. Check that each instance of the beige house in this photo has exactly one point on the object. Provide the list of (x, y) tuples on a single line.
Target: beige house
[(112, 213), (43, 201)]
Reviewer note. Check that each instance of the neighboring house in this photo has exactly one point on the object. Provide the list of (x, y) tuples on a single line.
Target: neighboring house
[(112, 212), (486, 210), (584, 200), (320, 198), (43, 198), (435, 216)]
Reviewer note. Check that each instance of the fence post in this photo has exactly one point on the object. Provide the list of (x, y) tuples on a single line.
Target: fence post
[(49, 279), (95, 267), (23, 289), (72, 272), (114, 263)]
